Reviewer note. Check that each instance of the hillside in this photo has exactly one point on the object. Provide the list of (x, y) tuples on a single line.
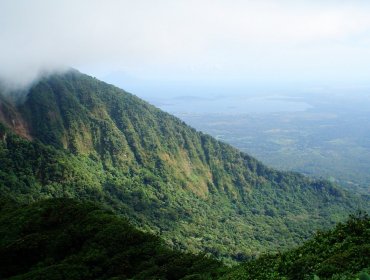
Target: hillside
[(340, 253), (67, 239), (75, 136)]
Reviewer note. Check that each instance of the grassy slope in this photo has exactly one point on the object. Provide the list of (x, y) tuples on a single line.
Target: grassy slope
[(95, 141)]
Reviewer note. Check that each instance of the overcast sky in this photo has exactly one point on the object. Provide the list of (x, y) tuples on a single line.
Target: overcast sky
[(215, 41)]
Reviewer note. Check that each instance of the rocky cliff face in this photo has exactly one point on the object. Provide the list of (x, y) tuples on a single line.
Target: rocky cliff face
[(12, 118)]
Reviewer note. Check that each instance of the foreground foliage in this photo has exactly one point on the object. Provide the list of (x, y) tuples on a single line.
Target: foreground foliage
[(66, 239), (341, 253)]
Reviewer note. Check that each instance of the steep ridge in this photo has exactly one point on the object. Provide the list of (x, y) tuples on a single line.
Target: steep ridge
[(95, 141)]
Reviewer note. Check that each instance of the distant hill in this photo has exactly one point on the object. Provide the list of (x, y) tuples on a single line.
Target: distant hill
[(75, 136)]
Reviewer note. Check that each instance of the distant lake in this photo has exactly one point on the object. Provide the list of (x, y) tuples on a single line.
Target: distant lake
[(230, 104)]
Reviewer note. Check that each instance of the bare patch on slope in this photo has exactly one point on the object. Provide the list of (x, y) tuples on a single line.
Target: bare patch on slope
[(10, 117)]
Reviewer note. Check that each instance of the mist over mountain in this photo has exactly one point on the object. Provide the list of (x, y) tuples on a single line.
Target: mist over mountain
[(15, 89), (268, 41)]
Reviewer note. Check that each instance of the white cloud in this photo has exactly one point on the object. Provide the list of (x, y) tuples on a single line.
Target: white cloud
[(183, 38)]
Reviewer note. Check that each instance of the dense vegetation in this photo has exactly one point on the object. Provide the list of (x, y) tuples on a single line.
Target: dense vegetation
[(94, 141), (66, 239), (342, 253)]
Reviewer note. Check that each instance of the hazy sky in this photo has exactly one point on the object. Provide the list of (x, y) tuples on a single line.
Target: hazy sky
[(211, 42)]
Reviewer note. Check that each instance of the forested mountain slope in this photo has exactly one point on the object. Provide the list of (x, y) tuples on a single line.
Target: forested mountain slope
[(66, 239), (341, 253), (83, 138)]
